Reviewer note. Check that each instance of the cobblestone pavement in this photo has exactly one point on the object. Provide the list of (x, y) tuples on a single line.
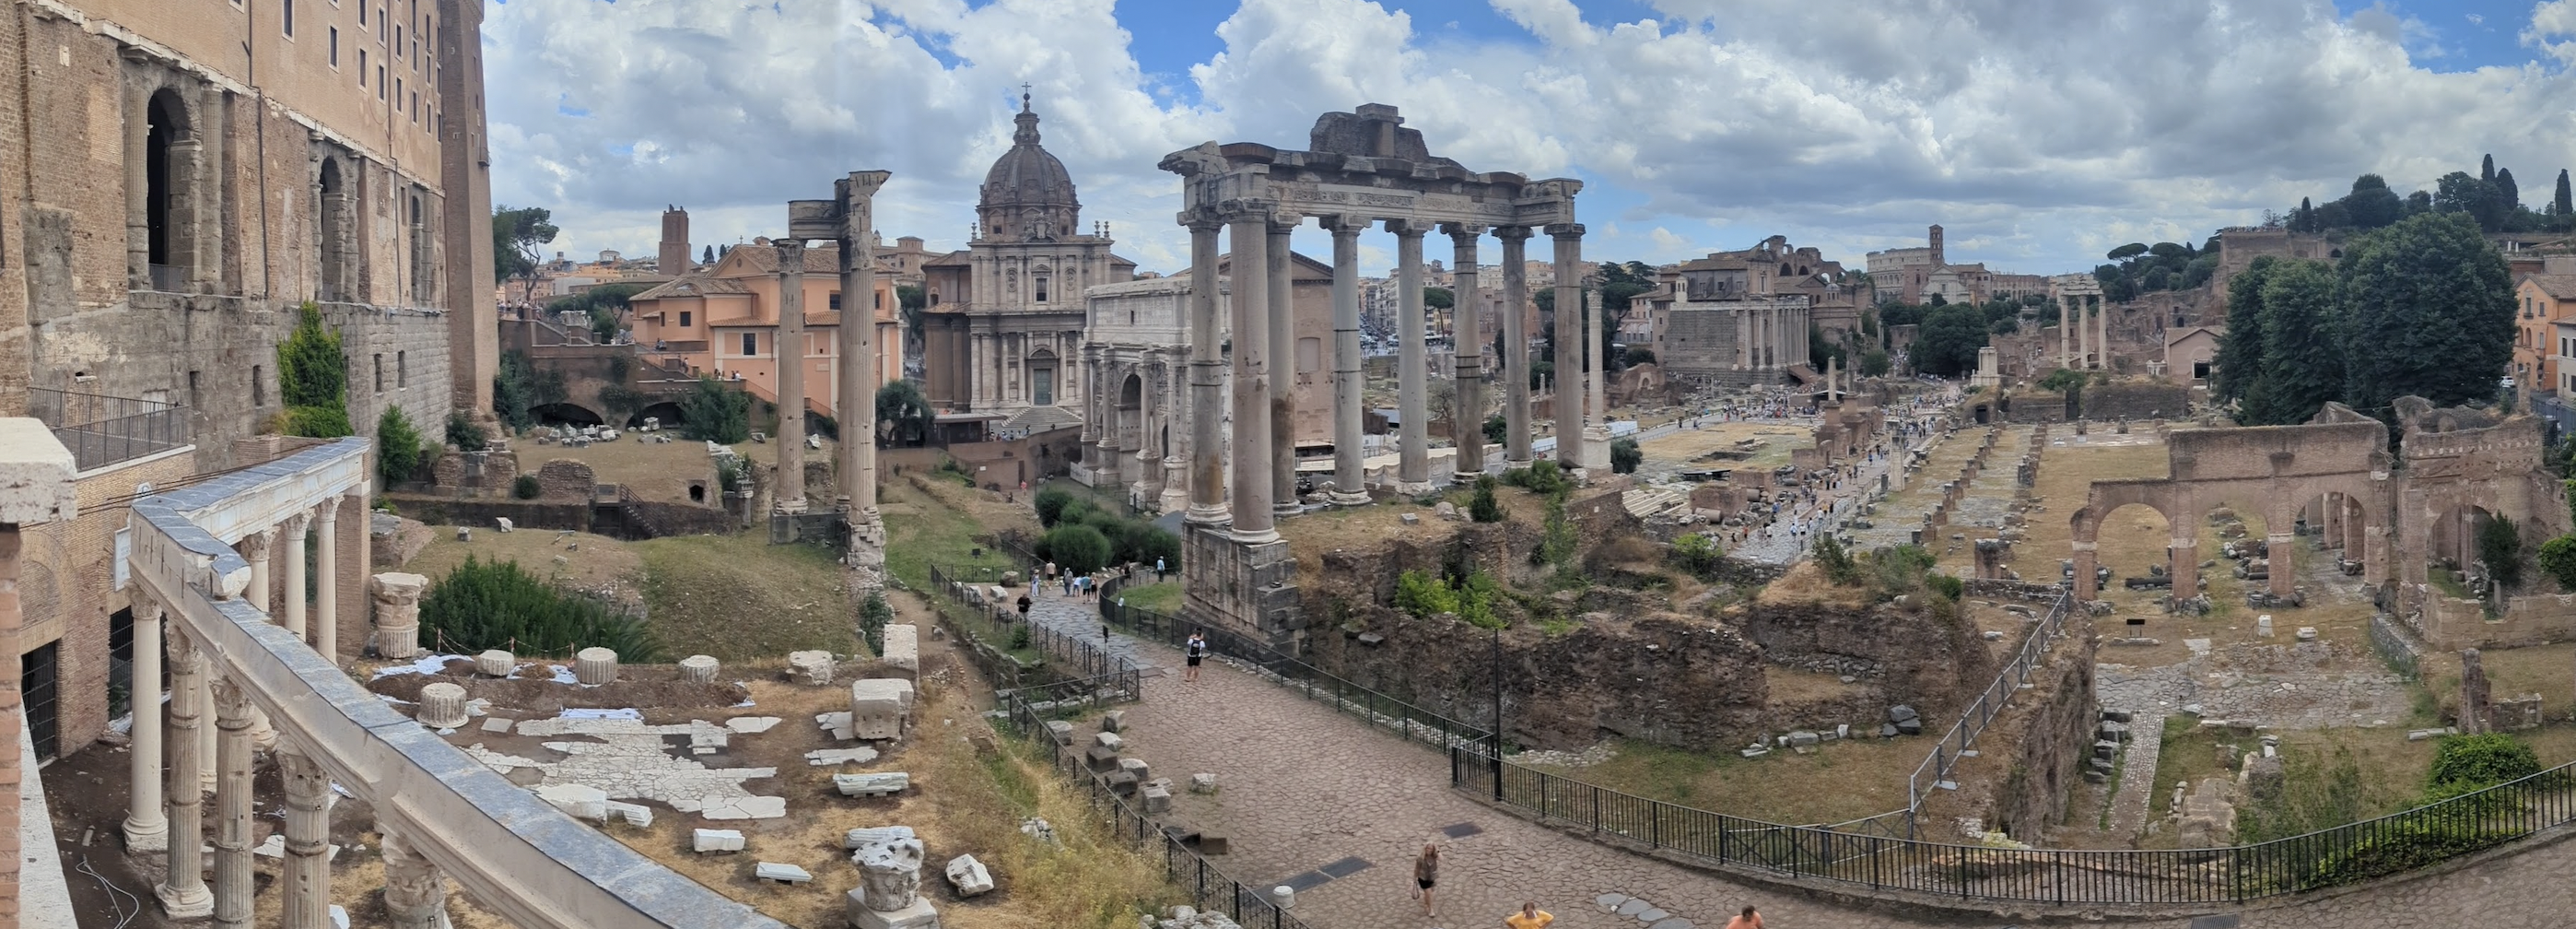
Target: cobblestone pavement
[(1302, 787), (1079, 615)]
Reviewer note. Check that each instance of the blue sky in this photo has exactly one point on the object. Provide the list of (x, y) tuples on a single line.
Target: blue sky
[(2037, 141)]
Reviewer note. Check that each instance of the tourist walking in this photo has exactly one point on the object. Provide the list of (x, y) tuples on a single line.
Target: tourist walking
[(1197, 649), (1158, 568), (1426, 874), (1530, 917), (1749, 919)]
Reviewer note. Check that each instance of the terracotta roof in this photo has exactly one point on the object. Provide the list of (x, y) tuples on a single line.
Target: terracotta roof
[(821, 257), (812, 318), (737, 321), (694, 284), (2561, 286), (952, 259)]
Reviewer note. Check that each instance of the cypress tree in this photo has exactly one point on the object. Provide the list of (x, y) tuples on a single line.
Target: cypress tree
[(2240, 349), (2508, 195), (2486, 169), (2562, 205)]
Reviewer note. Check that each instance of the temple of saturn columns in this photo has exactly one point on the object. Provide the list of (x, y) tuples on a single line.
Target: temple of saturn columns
[(200, 562), (1361, 169)]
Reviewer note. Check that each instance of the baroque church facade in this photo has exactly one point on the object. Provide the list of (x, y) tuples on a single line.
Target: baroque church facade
[(1003, 332)]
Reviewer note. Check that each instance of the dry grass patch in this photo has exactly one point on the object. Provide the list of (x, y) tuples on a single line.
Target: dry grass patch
[(1844, 780), (599, 562), (738, 597)]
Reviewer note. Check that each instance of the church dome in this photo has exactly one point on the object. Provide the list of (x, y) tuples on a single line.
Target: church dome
[(1027, 195)]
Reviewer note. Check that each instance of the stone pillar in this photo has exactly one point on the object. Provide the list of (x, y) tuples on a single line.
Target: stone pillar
[(2473, 693), (1568, 239), (1412, 362), (2350, 535), (254, 549), (1596, 406), (306, 874), (232, 805), (1467, 423), (1514, 366), (326, 594), (2086, 585), (1743, 339), (397, 633), (2285, 573), (2102, 333), (183, 892), (1250, 493), (595, 665), (2065, 332), (1207, 379), (1283, 372), (415, 890), (1350, 471), (2374, 555), (294, 527), (138, 187), (856, 405), (789, 495), (2183, 565), (147, 827)]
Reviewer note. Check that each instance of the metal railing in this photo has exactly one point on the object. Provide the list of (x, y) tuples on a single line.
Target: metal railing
[(1207, 886), (101, 430), (1980, 712)]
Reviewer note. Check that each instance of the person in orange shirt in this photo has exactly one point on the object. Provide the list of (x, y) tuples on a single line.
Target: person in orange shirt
[(1751, 919), (1530, 917)]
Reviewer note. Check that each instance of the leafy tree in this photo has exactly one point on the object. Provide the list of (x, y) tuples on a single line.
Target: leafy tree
[(1893, 313), (2429, 307), (397, 446), (1497, 428), (1051, 503), (713, 412), (1873, 363), (1696, 552), (2500, 546), (1949, 341), (2066, 381), (516, 235), (496, 604), (1636, 355), (1483, 507), (2302, 364), (902, 408), (313, 379), (1079, 548), (2125, 252), (464, 434), (1439, 298), (2558, 559), (2457, 192), (2371, 204), (2303, 219), (2240, 349), (1834, 560), (1625, 456)]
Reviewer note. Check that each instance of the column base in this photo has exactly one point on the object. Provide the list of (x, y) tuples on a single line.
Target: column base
[(1285, 510), (789, 507), (1338, 498), (196, 905), (1174, 501), (147, 838), (1204, 515), (1516, 464), (1412, 488), (1254, 537)]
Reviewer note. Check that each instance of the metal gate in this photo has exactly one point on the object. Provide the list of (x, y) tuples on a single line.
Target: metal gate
[(36, 674)]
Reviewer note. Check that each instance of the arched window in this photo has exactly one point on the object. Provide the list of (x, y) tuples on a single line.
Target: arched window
[(339, 238), (170, 156)]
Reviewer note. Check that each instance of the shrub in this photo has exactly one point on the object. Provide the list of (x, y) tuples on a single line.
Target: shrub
[(2500, 546), (1637, 355), (397, 446), (1625, 456), (1423, 596), (1948, 587), (526, 487), (1541, 477), (1483, 507), (2480, 761), (464, 434), (713, 412), (1020, 637), (496, 604), (1558, 545), (1051, 503), (1497, 428), (2404, 846), (1696, 553), (313, 379), (2558, 557), (874, 614), (1080, 549), (1834, 560)]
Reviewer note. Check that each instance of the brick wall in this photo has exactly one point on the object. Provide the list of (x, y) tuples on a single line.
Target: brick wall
[(67, 592), (565, 479)]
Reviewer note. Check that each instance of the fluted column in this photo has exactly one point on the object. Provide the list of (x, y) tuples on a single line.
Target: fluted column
[(1467, 425), (2083, 333), (1249, 233), (415, 890), (1283, 372), (147, 826), (789, 497), (1568, 240), (1412, 362), (1350, 470), (1207, 378), (307, 872), (294, 527), (1514, 368), (856, 400), (1596, 406), (2102, 332), (232, 805), (183, 891), (326, 595), (255, 547), (2065, 332)]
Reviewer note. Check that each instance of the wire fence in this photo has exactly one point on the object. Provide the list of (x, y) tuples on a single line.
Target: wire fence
[(1206, 885), (101, 430)]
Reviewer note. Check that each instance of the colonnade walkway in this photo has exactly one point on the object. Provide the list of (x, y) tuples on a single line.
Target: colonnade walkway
[(1306, 794)]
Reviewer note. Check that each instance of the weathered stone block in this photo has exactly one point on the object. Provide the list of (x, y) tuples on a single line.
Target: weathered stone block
[(969, 876), (917, 915), (782, 873), (875, 835), (579, 801), (1109, 740), (1060, 731), (595, 665), (903, 649), (871, 785), (1203, 783), (704, 841), (810, 667), (879, 707), (1113, 721)]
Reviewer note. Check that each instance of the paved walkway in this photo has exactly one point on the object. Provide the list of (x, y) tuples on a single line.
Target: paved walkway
[(1315, 798)]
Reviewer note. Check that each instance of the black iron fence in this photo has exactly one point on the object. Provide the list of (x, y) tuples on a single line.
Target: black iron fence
[(101, 430), (1980, 712), (1207, 886)]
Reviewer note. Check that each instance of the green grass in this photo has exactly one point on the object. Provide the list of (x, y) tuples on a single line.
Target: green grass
[(922, 531), (737, 597), (2449, 584), (1164, 597), (1843, 780)]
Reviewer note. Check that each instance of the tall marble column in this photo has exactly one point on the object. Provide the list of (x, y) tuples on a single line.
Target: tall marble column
[(1283, 372), (1412, 362), (1467, 424), (1597, 399), (307, 873), (1250, 236), (1568, 240), (147, 826), (1350, 481), (232, 805), (2102, 332), (326, 594), (1743, 339), (254, 549), (1515, 367), (1207, 378), (789, 495), (855, 399), (293, 528), (415, 889), (2083, 334), (183, 891), (2065, 332)]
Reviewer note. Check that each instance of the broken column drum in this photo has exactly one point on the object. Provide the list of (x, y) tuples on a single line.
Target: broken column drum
[(397, 631), (442, 706), (698, 669), (496, 663), (890, 873), (595, 665)]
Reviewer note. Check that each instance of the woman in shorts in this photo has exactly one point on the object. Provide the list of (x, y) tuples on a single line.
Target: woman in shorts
[(1197, 651)]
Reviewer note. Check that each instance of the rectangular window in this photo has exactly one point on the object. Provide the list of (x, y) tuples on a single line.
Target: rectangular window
[(415, 106), (381, 21), (380, 372), (398, 41), (836, 299), (362, 16), (380, 82), (362, 67), (402, 370), (398, 93), (287, 20), (684, 319), (335, 46), (1042, 282), (750, 344)]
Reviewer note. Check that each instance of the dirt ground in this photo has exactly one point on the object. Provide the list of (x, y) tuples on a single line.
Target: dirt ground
[(1695, 449), (650, 470), (590, 562)]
